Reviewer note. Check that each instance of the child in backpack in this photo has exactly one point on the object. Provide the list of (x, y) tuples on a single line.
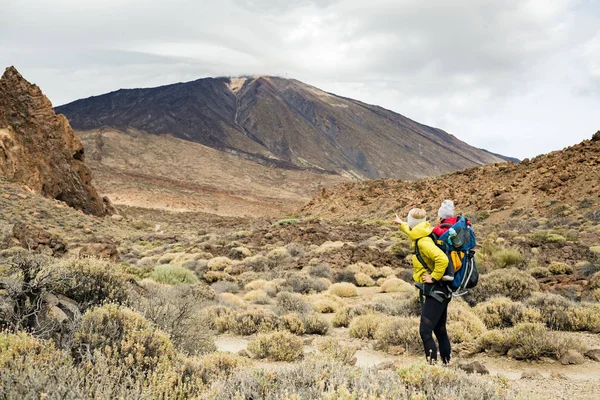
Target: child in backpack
[(447, 219), (434, 311)]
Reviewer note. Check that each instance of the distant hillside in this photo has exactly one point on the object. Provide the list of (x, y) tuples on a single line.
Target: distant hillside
[(562, 184), (163, 172), (283, 123)]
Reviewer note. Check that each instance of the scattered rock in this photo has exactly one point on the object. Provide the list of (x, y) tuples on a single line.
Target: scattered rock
[(385, 365), (37, 240), (531, 375), (558, 375), (572, 357), (593, 354), (106, 251), (117, 217), (474, 367)]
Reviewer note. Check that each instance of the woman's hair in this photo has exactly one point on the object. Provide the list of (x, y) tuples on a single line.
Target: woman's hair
[(418, 213)]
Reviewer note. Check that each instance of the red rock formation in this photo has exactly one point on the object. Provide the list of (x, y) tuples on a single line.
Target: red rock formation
[(38, 147)]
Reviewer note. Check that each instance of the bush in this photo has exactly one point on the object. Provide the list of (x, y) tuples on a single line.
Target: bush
[(325, 303), (178, 310), (494, 341), (507, 257), (173, 275), (126, 336), (321, 270), (21, 347), (315, 324), (225, 287), (256, 284), (343, 289), (278, 346), (528, 341), (252, 321), (214, 276), (540, 272), (463, 324), (558, 268), (395, 285), (287, 302), (331, 348), (257, 297), (363, 279), (509, 282), (219, 365), (219, 263), (231, 300), (344, 276), (502, 312), (293, 323), (92, 282), (363, 268), (365, 326), (399, 331), (560, 313), (301, 283)]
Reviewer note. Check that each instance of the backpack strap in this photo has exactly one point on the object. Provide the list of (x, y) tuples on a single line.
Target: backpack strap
[(420, 258)]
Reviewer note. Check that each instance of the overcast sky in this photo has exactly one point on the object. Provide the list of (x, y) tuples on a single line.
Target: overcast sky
[(517, 77)]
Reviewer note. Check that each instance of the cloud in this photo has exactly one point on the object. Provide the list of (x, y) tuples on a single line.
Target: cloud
[(493, 73)]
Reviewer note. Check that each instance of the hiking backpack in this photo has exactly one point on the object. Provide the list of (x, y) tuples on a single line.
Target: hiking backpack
[(457, 243)]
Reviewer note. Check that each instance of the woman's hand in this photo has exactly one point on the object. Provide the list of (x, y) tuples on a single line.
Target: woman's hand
[(398, 220), (427, 278)]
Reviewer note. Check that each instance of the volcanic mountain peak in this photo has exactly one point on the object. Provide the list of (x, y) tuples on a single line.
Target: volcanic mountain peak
[(285, 122), (38, 147)]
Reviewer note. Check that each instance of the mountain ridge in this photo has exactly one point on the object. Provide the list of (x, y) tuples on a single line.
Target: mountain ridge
[(283, 122)]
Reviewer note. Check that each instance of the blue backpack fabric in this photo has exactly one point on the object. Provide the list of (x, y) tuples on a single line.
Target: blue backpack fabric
[(458, 243)]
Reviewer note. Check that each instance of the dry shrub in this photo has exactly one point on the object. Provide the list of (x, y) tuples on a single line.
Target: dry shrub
[(344, 275), (214, 276), (20, 346), (278, 346), (463, 324), (364, 268), (540, 272), (91, 282), (257, 284), (212, 314), (363, 279), (287, 302), (399, 331), (386, 271), (595, 281), (219, 263), (365, 326), (303, 283), (508, 257), (231, 300), (343, 289), (560, 313), (403, 305), (510, 282), (321, 270), (252, 321), (502, 312), (257, 297), (125, 336), (529, 341), (395, 285), (328, 247), (293, 323), (558, 268), (173, 275), (494, 341), (344, 316), (225, 287), (333, 349), (325, 303), (315, 324), (219, 365), (179, 311)]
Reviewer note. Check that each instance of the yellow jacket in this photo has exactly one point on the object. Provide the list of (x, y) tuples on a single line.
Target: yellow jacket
[(434, 257)]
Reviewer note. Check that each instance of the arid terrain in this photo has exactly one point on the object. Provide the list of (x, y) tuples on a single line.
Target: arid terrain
[(292, 301)]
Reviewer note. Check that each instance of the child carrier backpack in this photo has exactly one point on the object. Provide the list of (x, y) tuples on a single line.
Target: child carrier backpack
[(458, 243)]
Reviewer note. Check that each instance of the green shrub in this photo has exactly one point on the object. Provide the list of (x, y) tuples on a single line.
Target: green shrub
[(528, 341), (173, 275), (219, 365), (343, 289), (125, 336), (509, 282), (21, 347), (365, 326), (252, 321), (558, 268), (278, 346), (508, 257)]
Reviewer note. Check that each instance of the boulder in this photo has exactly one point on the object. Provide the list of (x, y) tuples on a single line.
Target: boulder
[(36, 239), (593, 354), (474, 367), (106, 251), (572, 357)]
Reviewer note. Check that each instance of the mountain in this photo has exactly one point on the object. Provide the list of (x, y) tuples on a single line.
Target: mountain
[(283, 123), (39, 149), (163, 172), (561, 185)]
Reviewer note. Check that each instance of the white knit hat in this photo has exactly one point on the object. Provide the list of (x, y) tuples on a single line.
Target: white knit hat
[(412, 222), (446, 210)]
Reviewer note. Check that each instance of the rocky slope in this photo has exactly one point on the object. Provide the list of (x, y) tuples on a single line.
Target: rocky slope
[(38, 147), (283, 123), (163, 172), (561, 184)]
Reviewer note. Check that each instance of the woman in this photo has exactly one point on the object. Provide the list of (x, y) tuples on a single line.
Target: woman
[(434, 311)]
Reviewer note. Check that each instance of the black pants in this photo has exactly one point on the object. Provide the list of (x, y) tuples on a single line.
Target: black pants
[(433, 320)]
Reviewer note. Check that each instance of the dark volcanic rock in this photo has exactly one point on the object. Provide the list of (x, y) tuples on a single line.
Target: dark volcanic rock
[(37, 240), (38, 147)]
